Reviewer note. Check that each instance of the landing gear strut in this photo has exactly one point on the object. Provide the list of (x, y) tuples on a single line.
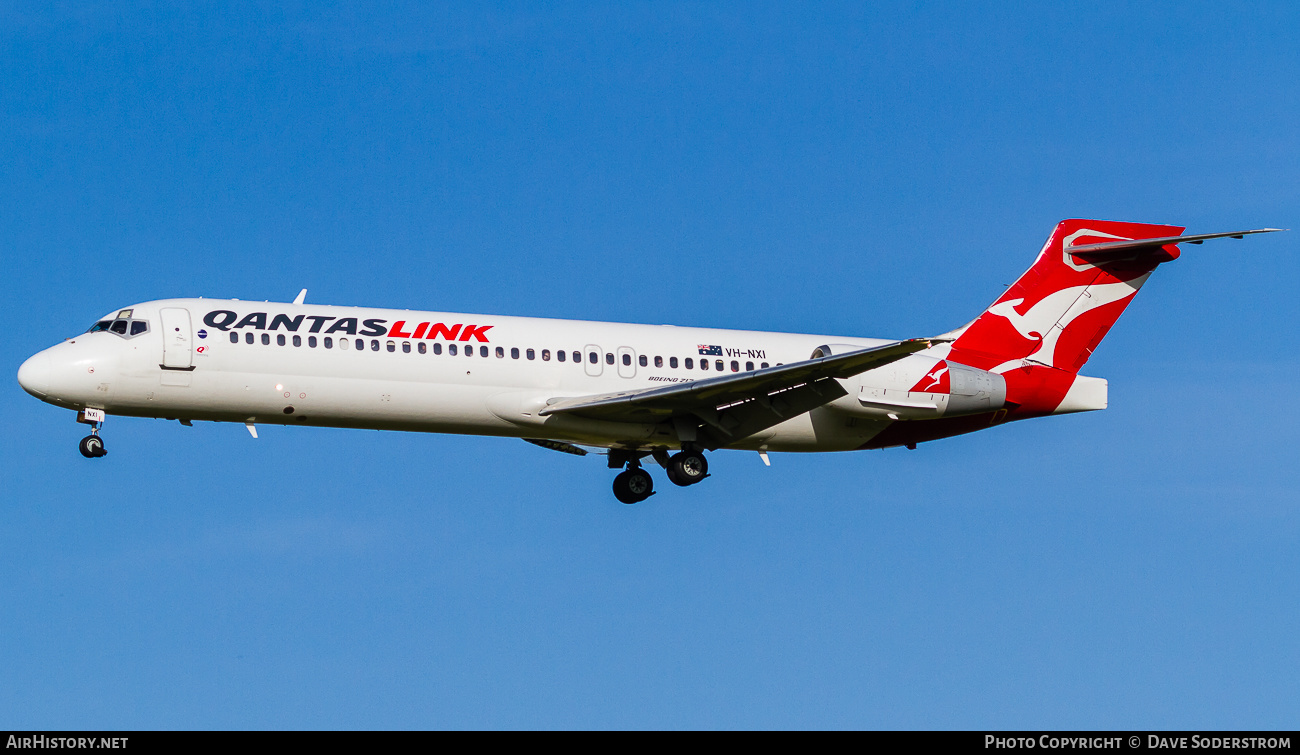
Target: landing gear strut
[(91, 446)]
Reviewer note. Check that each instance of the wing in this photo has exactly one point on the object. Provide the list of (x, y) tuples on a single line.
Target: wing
[(734, 406)]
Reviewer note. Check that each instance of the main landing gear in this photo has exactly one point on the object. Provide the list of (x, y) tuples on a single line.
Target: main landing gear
[(634, 484), (91, 446), (687, 468)]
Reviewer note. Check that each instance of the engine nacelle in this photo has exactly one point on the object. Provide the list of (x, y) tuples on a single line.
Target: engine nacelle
[(918, 387)]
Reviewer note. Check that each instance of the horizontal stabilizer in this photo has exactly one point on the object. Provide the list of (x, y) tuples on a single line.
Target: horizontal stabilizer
[(1121, 249)]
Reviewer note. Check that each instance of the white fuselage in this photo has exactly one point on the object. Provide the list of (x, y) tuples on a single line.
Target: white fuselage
[(195, 362)]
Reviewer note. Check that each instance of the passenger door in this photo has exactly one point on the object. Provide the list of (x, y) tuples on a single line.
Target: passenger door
[(178, 339)]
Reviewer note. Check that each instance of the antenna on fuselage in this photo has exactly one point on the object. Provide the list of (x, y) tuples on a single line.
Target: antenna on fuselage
[(301, 295)]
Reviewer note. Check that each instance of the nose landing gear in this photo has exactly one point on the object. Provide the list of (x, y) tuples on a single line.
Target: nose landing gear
[(92, 446)]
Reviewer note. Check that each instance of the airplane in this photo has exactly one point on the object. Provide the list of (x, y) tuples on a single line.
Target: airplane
[(669, 393)]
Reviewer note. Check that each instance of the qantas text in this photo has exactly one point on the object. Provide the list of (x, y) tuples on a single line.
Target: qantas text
[(224, 319)]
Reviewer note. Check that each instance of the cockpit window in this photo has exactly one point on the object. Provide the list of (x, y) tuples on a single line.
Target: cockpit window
[(123, 325)]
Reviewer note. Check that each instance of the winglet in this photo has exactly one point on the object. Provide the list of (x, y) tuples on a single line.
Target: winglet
[(252, 430), (300, 297)]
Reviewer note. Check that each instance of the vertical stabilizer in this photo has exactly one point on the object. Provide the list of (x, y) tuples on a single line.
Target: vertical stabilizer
[(1059, 310)]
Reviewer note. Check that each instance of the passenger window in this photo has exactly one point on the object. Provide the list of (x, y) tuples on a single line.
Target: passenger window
[(374, 344), (609, 358), (718, 364), (560, 355), (627, 360), (423, 348), (659, 361), (501, 353), (279, 340), (343, 343), (138, 327), (118, 327), (546, 355), (392, 347), (234, 338), (514, 352), (266, 339), (593, 357), (329, 342), (672, 362), (437, 348), (577, 357), (311, 341), (483, 351), (406, 347), (451, 348), (530, 354), (735, 366), (763, 365), (690, 363), (704, 364), (361, 344), (297, 340), (248, 337), (749, 366)]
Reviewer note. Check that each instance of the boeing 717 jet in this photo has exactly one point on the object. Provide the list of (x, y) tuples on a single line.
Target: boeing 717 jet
[(670, 394)]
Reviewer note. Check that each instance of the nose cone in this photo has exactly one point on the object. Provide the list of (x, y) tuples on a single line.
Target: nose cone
[(34, 375)]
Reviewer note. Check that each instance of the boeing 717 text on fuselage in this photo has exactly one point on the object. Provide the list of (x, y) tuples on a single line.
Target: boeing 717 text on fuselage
[(668, 393)]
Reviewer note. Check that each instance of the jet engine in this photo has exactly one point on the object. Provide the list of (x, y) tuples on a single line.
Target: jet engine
[(918, 387)]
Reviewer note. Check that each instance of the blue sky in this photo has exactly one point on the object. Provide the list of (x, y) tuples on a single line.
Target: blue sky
[(864, 169)]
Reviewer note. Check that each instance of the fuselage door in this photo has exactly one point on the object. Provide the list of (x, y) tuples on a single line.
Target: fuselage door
[(626, 362), (178, 339), (593, 360)]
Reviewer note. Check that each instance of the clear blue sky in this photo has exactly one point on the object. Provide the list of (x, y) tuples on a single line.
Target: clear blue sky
[(865, 169)]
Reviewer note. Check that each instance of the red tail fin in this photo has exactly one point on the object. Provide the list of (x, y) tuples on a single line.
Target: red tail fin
[(1061, 308)]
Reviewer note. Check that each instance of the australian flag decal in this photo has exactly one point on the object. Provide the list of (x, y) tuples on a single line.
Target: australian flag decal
[(710, 351)]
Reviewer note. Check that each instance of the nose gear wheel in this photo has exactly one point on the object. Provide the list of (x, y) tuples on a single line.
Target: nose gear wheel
[(92, 447)]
